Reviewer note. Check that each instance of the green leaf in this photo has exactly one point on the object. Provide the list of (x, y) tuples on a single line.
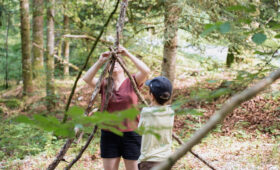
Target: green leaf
[(236, 8), (220, 92), (225, 27), (263, 53), (75, 111), (44, 123), (251, 8), (245, 20), (129, 113), (208, 28), (176, 105), (23, 119), (259, 38), (112, 129), (277, 36), (64, 130), (196, 112)]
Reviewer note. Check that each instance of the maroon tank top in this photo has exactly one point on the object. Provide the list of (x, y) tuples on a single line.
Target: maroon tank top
[(122, 99)]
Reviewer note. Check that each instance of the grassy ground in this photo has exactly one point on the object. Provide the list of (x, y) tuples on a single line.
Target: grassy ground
[(223, 152)]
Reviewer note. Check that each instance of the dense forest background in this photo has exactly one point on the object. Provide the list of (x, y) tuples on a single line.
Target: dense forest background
[(211, 50)]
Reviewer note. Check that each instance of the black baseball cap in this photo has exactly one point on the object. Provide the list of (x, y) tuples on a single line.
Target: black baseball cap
[(160, 87)]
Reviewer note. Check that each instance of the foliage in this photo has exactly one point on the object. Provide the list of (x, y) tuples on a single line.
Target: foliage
[(104, 120), (11, 103), (1, 111), (16, 144)]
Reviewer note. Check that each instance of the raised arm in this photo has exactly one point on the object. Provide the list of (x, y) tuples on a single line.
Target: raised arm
[(144, 70), (89, 77)]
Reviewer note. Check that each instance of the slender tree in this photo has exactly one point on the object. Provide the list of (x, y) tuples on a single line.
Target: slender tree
[(50, 56), (66, 47), (38, 38), (171, 16), (25, 47), (7, 52)]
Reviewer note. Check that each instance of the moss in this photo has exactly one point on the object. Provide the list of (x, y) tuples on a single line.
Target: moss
[(11, 103)]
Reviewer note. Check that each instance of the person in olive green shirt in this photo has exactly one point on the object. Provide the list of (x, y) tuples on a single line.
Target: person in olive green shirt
[(159, 118)]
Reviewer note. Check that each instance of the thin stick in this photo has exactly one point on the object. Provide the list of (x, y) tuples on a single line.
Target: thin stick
[(108, 90), (97, 87), (133, 82), (219, 116), (194, 154), (63, 150), (85, 64), (61, 154), (83, 149), (109, 85), (94, 94)]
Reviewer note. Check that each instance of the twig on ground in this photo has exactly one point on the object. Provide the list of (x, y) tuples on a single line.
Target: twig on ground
[(194, 154)]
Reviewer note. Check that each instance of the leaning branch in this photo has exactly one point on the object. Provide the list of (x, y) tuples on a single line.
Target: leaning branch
[(63, 150), (109, 84), (58, 58), (194, 154), (87, 37), (66, 63), (228, 107), (87, 59), (133, 82)]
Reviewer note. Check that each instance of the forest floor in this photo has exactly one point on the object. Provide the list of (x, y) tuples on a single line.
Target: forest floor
[(249, 138)]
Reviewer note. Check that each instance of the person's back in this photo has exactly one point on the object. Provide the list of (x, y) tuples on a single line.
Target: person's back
[(157, 122)]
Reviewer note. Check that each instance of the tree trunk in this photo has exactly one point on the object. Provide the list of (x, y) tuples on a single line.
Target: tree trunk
[(7, 52), (171, 17), (38, 39), (50, 56), (25, 47), (66, 47)]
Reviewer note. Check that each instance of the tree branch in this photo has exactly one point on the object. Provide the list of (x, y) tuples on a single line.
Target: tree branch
[(109, 84), (87, 37), (228, 107), (85, 64), (58, 58), (82, 150), (194, 154), (133, 82), (63, 150), (61, 154)]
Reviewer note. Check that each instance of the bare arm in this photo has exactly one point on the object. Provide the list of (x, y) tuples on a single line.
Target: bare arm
[(89, 77), (144, 70)]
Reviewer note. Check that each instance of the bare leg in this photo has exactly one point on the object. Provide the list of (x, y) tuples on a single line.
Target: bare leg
[(130, 164), (111, 163)]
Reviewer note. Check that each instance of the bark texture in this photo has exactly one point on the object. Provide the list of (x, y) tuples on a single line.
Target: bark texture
[(66, 47), (50, 56), (25, 47), (171, 16), (38, 39)]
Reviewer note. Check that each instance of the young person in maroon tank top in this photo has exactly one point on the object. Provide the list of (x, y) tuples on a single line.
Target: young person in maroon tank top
[(113, 147)]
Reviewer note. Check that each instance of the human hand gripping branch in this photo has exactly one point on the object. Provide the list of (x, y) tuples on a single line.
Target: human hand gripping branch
[(144, 70), (89, 77)]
